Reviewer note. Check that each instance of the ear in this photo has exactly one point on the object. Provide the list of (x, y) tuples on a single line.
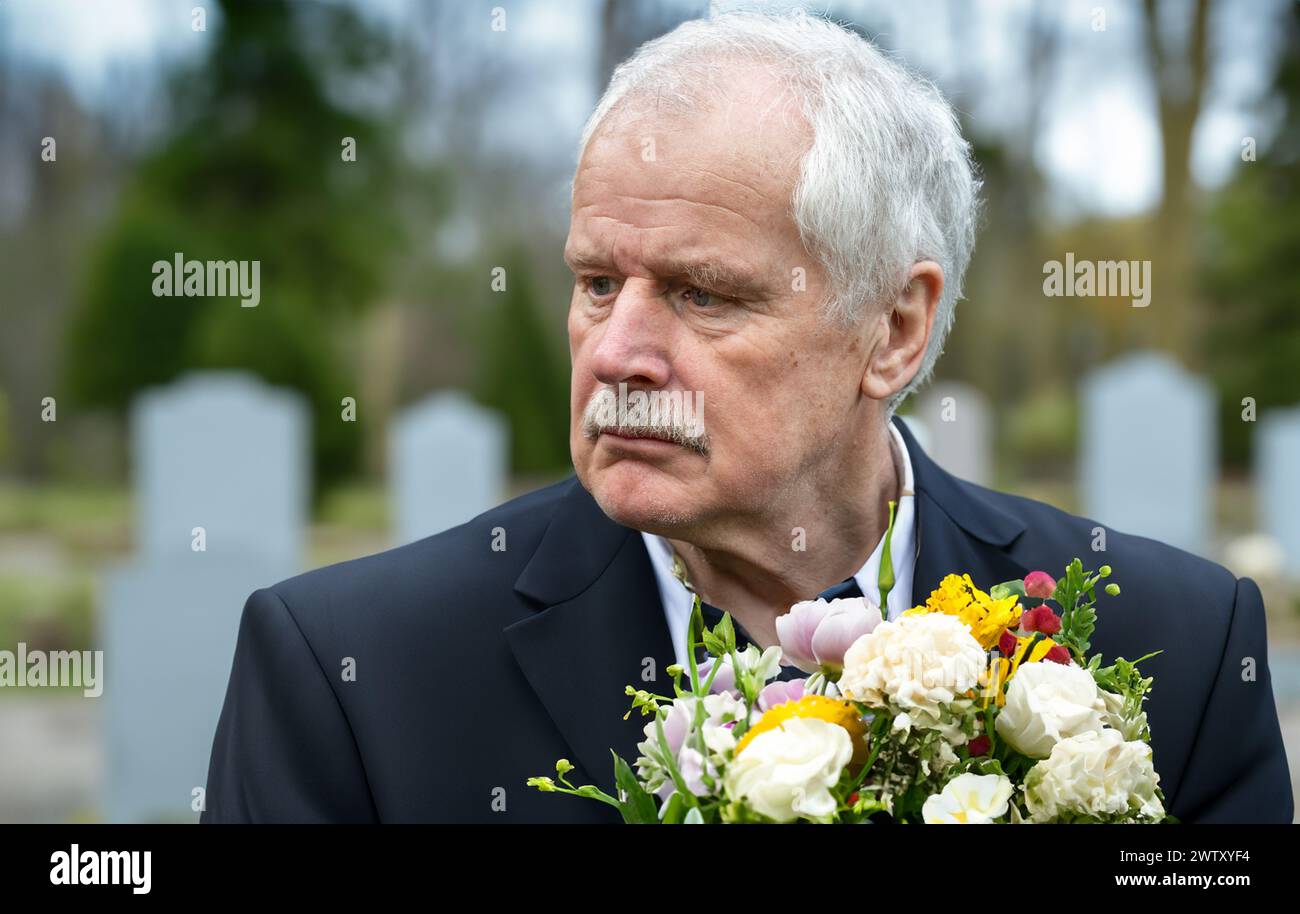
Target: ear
[(905, 330)]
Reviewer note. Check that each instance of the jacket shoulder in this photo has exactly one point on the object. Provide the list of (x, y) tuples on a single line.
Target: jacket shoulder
[(1056, 527), (473, 564), (1164, 575)]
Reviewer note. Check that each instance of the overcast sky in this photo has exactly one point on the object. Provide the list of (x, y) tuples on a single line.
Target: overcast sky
[(1099, 142)]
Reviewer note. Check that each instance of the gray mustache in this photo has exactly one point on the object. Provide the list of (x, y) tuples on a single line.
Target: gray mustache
[(675, 422)]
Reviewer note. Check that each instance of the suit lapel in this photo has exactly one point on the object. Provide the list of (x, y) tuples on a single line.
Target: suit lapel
[(959, 531), (600, 627)]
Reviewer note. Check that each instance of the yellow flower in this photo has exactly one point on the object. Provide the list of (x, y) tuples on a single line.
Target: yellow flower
[(987, 618), (1001, 669), (996, 677), (1038, 653), (819, 707)]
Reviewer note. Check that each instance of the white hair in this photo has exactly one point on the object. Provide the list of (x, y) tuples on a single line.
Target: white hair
[(888, 180)]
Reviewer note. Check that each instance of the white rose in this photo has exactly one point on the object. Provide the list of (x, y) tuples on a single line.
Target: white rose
[(1095, 773), (919, 664), (1048, 702), (788, 772), (968, 799)]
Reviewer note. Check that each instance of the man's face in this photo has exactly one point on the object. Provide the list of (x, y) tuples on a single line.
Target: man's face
[(691, 277)]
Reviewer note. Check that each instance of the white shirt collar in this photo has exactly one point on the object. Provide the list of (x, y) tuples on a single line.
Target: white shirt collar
[(677, 600)]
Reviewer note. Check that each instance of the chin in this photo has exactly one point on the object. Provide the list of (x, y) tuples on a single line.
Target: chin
[(637, 495)]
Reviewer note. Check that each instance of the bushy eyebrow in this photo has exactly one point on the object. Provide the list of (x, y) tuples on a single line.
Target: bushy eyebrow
[(713, 275), (582, 260)]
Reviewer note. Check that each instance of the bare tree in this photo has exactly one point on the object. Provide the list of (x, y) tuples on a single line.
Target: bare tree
[(1178, 76)]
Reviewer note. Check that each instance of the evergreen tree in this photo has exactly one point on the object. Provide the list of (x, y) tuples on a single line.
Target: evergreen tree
[(522, 374), (253, 171)]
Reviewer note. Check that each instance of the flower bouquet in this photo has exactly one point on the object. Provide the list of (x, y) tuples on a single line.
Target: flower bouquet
[(972, 708)]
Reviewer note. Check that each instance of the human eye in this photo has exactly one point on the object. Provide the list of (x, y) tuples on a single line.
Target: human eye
[(599, 286), (698, 299)]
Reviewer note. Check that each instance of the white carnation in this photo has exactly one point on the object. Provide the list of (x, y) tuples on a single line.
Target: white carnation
[(1047, 702), (1096, 773), (919, 664)]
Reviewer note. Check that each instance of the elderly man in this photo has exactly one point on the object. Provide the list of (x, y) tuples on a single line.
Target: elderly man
[(769, 213)]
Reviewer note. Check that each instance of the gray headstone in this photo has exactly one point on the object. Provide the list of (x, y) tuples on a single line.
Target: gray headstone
[(449, 460), (960, 428), (1149, 461), (225, 453), (1277, 482), (168, 638)]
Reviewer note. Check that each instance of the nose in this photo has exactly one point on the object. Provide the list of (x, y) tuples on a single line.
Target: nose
[(632, 347)]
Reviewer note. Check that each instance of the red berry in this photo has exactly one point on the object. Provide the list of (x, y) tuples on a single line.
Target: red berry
[(1007, 644), (1041, 619), (1039, 585), (1058, 654)]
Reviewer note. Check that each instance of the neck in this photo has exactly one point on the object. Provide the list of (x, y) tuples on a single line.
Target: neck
[(804, 544)]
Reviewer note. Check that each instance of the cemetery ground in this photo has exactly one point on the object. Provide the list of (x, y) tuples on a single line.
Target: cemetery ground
[(56, 542)]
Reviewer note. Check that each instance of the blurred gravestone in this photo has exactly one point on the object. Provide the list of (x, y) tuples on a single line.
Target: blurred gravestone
[(225, 453), (448, 463), (1148, 464), (1277, 482), (960, 432)]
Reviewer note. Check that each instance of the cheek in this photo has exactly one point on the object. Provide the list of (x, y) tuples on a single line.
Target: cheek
[(576, 326), (777, 400), (746, 401), (579, 337)]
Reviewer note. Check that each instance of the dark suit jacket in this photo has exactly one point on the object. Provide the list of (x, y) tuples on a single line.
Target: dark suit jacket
[(475, 668)]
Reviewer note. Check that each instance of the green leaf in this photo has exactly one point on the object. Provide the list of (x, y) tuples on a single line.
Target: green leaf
[(726, 631), (712, 644), (675, 810), (637, 806), (1006, 589), (694, 635), (721, 639)]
